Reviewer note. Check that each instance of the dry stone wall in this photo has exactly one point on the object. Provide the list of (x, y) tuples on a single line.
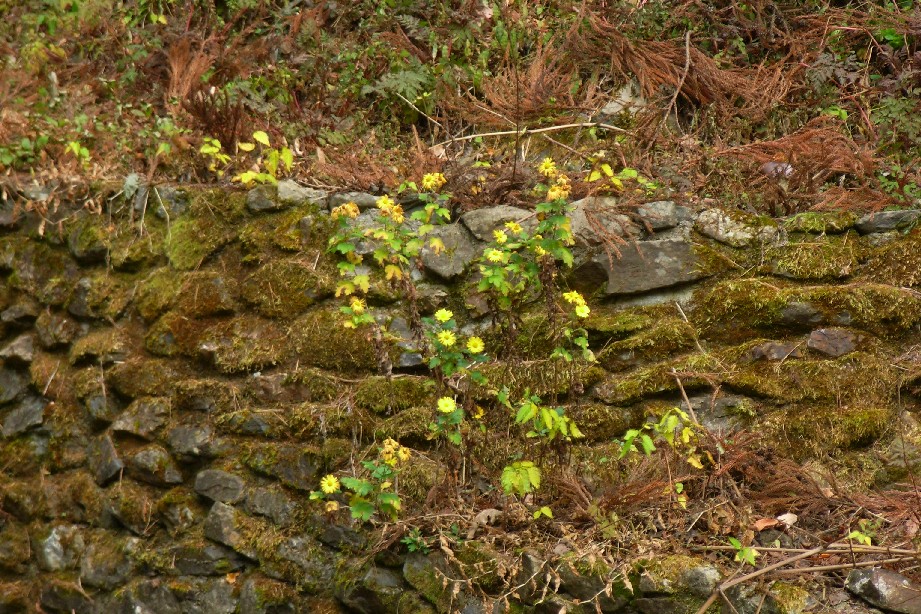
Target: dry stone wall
[(174, 381)]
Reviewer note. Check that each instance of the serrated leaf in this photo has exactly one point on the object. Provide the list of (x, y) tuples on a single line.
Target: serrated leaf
[(261, 137), (363, 282), (360, 487), (647, 444), (361, 509), (393, 271)]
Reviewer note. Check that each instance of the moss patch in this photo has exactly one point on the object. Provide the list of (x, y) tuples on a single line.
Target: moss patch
[(897, 263), (284, 231), (319, 339), (380, 394), (206, 293), (656, 379), (207, 226), (668, 336), (408, 426), (826, 222), (601, 423), (157, 292), (548, 379), (817, 258), (285, 288), (827, 428), (245, 343)]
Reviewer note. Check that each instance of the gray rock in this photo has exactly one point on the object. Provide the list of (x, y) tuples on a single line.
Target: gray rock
[(702, 581), (60, 548), (27, 413), (591, 588), (191, 442), (650, 265), (271, 503), (724, 414), (219, 485), (106, 563), (664, 214), (155, 466), (884, 221), (460, 250), (207, 560), (55, 330), (316, 565), (482, 222), (342, 538), (144, 417), (799, 313), (223, 526), (291, 192), (102, 407), (215, 596), (264, 198), (362, 199), (735, 230), (603, 212), (103, 460), (169, 202), (12, 384), (885, 589), (15, 549), (22, 312), (20, 350), (773, 351), (147, 597), (63, 596), (834, 342), (376, 592)]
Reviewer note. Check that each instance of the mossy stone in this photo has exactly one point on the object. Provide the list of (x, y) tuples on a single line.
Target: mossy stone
[(656, 379), (601, 423), (285, 231), (319, 339), (817, 258), (410, 425), (285, 288), (821, 222), (897, 263), (668, 336), (157, 292), (391, 395), (143, 377), (102, 346), (828, 428), (88, 237), (43, 272), (244, 343), (548, 378), (206, 227), (206, 293)]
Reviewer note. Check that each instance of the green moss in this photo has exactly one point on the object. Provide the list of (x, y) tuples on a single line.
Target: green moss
[(411, 425), (657, 379), (817, 258), (897, 263), (285, 288), (417, 479), (157, 292), (313, 385), (105, 345), (142, 377), (668, 336), (101, 295), (245, 343), (207, 226), (606, 323), (87, 236), (391, 395), (789, 599), (827, 428), (206, 293), (548, 378), (311, 420), (827, 222), (319, 339), (283, 230), (604, 422)]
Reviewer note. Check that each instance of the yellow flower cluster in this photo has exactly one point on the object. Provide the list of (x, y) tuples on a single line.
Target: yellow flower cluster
[(433, 181), (576, 299), (560, 189), (446, 405), (390, 209), (393, 452), (349, 209)]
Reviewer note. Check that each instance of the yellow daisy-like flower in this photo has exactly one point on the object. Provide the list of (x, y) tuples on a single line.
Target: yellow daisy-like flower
[(403, 454), (582, 311), (391, 444), (357, 305), (332, 506), (349, 209), (443, 315), (547, 167), (475, 345), (499, 236), (329, 484), (540, 251), (574, 298), (513, 227), (446, 405), (558, 192), (433, 181), (447, 338), (385, 203), (396, 214), (494, 255)]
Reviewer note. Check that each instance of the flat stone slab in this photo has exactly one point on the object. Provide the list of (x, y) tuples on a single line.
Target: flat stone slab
[(834, 342), (460, 250), (884, 221), (649, 265), (482, 222), (732, 230), (885, 589)]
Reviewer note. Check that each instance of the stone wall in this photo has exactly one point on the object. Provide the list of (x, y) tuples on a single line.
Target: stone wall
[(175, 380)]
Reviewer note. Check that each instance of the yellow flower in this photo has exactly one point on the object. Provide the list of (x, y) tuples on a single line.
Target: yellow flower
[(500, 236), (443, 315), (391, 444), (494, 255), (574, 298), (475, 345), (349, 209), (558, 192), (332, 506), (540, 251), (357, 305), (447, 338), (329, 484), (446, 405), (403, 454), (396, 214), (433, 181), (513, 227), (547, 167), (385, 203), (582, 311)]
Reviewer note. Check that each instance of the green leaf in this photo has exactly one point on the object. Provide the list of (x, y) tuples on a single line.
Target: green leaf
[(648, 446), (261, 137), (361, 508), (360, 487)]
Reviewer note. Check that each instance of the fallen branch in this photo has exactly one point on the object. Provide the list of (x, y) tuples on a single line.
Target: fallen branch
[(524, 131)]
